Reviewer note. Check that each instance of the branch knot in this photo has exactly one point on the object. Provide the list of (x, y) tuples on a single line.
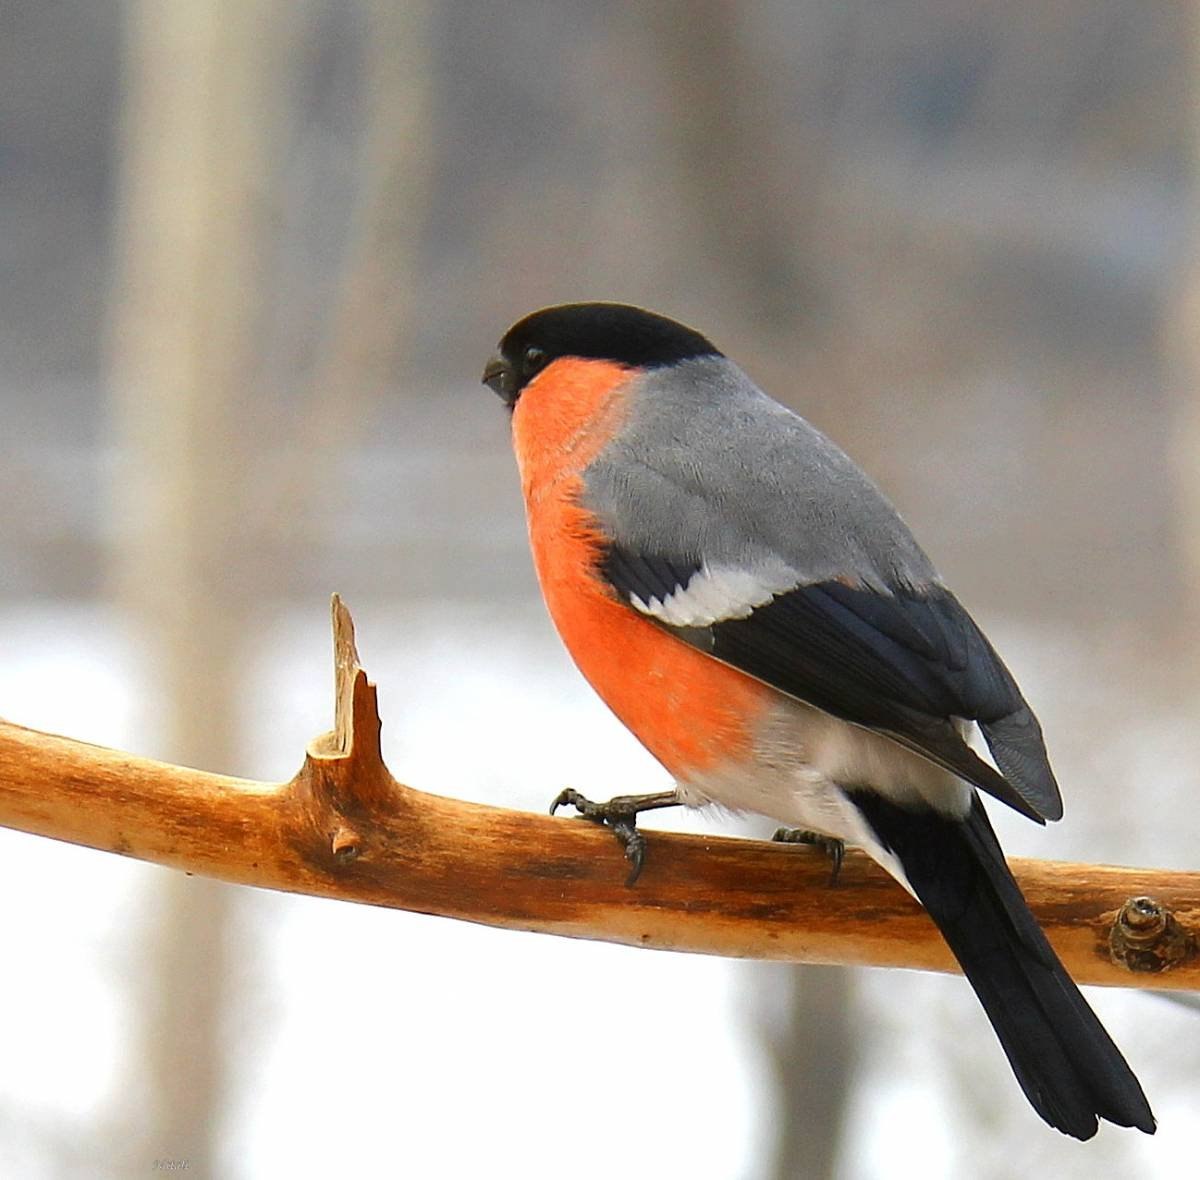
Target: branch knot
[(1147, 937)]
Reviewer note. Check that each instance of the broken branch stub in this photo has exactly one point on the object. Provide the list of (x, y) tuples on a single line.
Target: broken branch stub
[(344, 789)]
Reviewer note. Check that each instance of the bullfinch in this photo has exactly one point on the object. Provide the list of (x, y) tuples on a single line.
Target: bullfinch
[(749, 604)]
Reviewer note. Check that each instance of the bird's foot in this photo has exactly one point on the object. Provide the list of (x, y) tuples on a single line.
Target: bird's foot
[(620, 816), (834, 848)]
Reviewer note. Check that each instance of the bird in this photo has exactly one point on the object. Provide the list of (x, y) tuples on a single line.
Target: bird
[(752, 607)]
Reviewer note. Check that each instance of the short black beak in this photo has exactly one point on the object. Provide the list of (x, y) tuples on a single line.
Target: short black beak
[(498, 377)]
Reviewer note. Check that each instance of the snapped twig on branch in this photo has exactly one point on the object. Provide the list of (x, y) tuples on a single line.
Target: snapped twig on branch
[(344, 828)]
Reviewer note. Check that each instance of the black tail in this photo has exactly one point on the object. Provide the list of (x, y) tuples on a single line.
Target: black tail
[(1066, 1063)]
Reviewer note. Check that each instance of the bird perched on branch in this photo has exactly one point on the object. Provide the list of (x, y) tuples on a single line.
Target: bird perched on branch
[(751, 606)]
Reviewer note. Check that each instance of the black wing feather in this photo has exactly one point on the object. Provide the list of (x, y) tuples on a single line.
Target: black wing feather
[(904, 663)]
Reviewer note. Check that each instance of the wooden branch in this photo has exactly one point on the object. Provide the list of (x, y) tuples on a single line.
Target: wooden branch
[(344, 828)]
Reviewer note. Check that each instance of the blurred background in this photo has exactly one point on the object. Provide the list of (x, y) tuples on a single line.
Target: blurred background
[(255, 256)]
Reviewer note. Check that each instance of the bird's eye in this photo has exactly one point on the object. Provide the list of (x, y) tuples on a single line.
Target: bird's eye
[(535, 359)]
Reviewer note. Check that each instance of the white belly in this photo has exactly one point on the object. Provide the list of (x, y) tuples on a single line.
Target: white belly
[(803, 758)]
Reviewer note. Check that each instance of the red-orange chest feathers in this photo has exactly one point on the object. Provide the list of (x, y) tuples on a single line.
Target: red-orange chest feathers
[(690, 711)]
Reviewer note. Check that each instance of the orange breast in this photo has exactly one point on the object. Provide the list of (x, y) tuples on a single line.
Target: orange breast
[(690, 711)]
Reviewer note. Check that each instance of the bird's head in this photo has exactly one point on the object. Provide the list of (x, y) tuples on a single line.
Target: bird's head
[(617, 332)]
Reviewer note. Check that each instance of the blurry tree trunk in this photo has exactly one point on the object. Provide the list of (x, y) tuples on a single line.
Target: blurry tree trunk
[(811, 1054), (201, 118), (371, 312), (1183, 346), (810, 1049), (722, 158), (198, 498), (745, 183)]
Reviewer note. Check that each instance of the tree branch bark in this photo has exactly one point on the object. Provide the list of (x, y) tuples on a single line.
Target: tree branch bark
[(344, 828)]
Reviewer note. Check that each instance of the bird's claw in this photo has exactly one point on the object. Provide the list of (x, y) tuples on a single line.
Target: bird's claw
[(619, 815), (834, 848)]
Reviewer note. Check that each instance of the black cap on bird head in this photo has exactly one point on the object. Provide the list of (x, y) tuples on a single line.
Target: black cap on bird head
[(616, 332)]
